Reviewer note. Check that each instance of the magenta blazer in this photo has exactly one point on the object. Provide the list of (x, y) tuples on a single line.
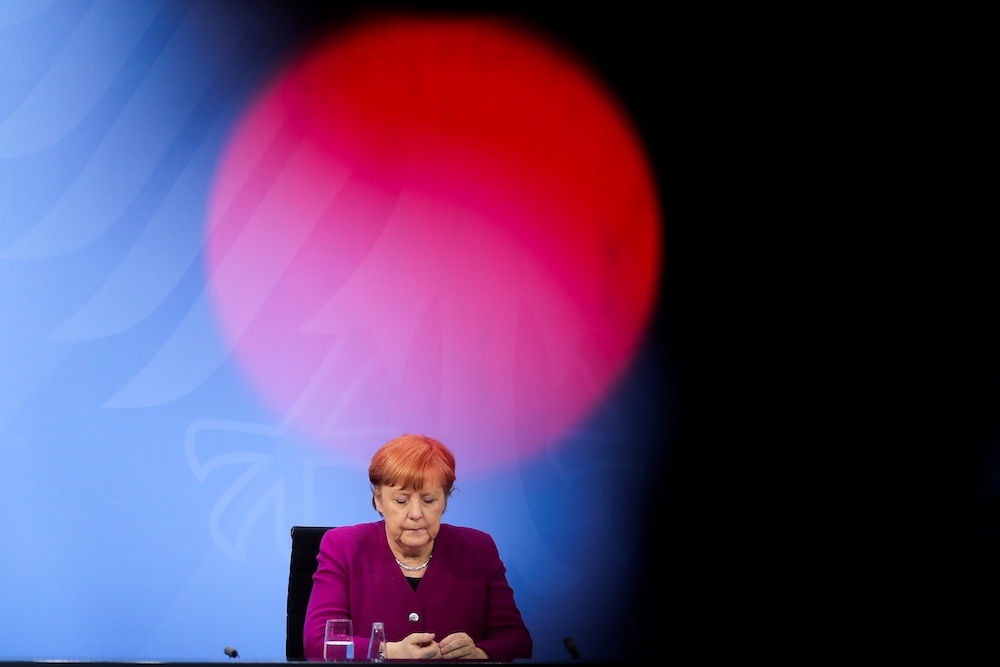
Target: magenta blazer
[(463, 590)]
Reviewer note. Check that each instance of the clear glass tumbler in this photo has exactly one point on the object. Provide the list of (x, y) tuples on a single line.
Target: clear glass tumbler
[(338, 641)]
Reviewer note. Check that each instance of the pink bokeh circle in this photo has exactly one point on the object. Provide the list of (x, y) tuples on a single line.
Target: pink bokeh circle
[(435, 225)]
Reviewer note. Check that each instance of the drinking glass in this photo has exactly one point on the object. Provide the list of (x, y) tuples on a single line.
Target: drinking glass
[(338, 641)]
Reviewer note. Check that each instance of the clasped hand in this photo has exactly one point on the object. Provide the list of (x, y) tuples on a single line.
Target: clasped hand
[(421, 646)]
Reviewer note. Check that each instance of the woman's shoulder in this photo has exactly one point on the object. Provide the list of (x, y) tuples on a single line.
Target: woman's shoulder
[(465, 534), (451, 528), (466, 549), (356, 534)]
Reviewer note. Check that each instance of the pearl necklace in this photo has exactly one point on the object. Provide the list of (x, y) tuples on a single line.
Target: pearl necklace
[(417, 568)]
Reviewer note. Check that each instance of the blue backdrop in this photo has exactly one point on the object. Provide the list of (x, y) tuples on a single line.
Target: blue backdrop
[(148, 518)]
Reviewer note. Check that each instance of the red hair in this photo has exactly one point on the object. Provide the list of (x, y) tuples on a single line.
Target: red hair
[(412, 462)]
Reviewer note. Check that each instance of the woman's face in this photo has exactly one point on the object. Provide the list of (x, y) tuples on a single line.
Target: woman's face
[(412, 516)]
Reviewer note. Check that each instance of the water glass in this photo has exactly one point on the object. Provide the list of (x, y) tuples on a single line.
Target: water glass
[(338, 641)]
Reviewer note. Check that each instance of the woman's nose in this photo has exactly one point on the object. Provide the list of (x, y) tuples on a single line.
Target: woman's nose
[(414, 510)]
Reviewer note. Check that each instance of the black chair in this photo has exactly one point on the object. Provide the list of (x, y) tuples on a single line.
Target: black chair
[(305, 547)]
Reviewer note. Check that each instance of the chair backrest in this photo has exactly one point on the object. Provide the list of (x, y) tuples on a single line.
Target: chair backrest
[(305, 547)]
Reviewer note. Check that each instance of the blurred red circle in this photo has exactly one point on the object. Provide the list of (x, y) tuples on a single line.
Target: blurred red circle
[(440, 225)]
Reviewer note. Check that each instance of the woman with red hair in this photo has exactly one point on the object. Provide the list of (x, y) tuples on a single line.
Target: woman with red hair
[(440, 590)]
